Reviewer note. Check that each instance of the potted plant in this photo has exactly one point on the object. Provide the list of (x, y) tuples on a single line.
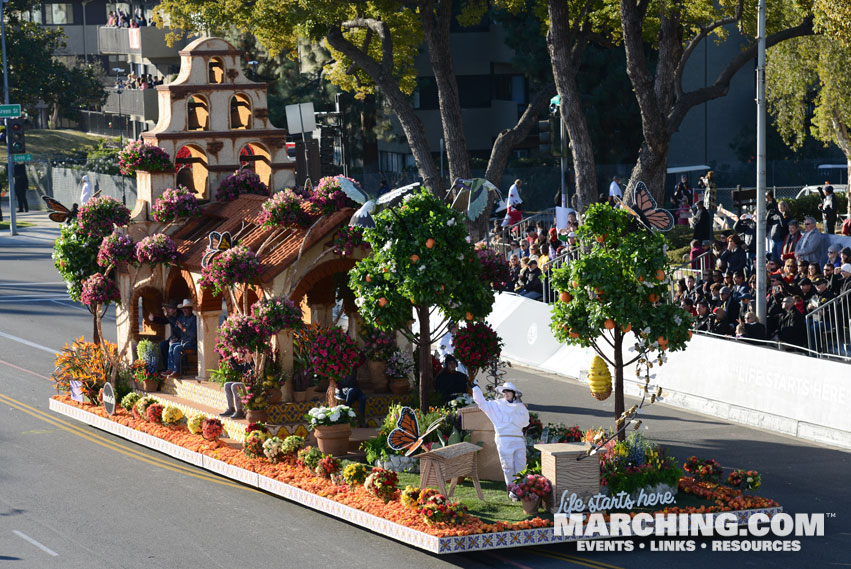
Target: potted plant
[(254, 401), (531, 489), (399, 368), (378, 348), (333, 355), (332, 427), (145, 368)]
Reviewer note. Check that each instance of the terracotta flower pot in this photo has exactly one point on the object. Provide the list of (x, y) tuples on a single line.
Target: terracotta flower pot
[(333, 439), (299, 396), (150, 385), (256, 415), (377, 375), (530, 507), (274, 395), (399, 386)]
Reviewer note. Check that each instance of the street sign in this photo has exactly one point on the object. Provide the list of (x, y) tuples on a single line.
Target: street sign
[(10, 111), (22, 157)]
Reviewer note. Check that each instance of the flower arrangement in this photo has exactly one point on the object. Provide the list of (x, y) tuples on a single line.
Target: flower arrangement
[(156, 249), (172, 415), (708, 470), (462, 401), (325, 416), (559, 433), (211, 428), (745, 479), (256, 426), (309, 457), (84, 364), (476, 345), (355, 474), (438, 510), (285, 209), (175, 204), (637, 463), (378, 345), (116, 249), (236, 265), (536, 427), (400, 365), (255, 394), (327, 466), (272, 450), (252, 444), (427, 494), (381, 483), (238, 336), (409, 497), (292, 444), (495, 272), (154, 413), (531, 486), (241, 182), (129, 400), (98, 289), (271, 315), (140, 410), (346, 239), (195, 423), (328, 196), (137, 156), (334, 354), (100, 215)]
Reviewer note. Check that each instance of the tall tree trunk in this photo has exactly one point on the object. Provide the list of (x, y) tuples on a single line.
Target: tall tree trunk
[(619, 402), (566, 44), (651, 168), (368, 140), (424, 346), (436, 21)]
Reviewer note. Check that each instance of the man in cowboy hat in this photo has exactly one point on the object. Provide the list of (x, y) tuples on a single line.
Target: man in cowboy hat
[(509, 417), (188, 327), (169, 317)]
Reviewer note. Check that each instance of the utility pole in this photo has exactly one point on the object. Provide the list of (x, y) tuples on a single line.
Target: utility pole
[(760, 217), (10, 165)]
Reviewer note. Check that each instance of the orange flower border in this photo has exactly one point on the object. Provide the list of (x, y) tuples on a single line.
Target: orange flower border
[(289, 473)]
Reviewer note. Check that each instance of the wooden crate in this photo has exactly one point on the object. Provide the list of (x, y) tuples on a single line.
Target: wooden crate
[(559, 465)]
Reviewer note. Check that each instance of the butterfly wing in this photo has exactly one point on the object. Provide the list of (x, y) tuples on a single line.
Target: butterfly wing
[(351, 190), (215, 240), (58, 217), (653, 215), (225, 241), (59, 212), (422, 437), (406, 433)]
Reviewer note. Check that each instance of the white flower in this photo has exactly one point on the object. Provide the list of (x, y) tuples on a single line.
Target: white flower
[(321, 417), (387, 246), (461, 257), (351, 414), (451, 222), (335, 416)]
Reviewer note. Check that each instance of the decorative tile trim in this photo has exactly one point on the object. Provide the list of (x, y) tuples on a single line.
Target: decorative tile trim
[(440, 545)]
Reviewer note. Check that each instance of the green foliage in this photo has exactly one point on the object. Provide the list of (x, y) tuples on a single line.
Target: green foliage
[(224, 373), (637, 463), (618, 279), (103, 159), (808, 205), (75, 257), (402, 273), (130, 400)]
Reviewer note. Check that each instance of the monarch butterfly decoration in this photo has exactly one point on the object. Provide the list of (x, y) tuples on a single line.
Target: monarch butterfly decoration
[(218, 242), (406, 435), (59, 213), (646, 211)]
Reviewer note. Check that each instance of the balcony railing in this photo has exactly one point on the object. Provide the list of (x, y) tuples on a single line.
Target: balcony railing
[(133, 102), (147, 42)]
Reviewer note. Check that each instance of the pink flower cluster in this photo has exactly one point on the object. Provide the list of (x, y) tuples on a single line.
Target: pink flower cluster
[(98, 289), (329, 197), (334, 354), (236, 265), (378, 345), (531, 486), (156, 249), (495, 272), (285, 209), (241, 182), (477, 344), (99, 215), (116, 249), (138, 156), (271, 315), (175, 204), (346, 239), (237, 335)]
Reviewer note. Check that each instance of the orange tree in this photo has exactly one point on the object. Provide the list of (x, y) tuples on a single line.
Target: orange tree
[(620, 284), (421, 265)]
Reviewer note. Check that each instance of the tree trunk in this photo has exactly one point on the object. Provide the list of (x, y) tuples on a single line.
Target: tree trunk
[(619, 402), (95, 333), (650, 169), (436, 26), (368, 141), (425, 358), (566, 46)]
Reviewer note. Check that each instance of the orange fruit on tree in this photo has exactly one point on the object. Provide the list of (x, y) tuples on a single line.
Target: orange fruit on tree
[(415, 258), (565, 296), (382, 302), (368, 279), (628, 328), (469, 316), (574, 284), (653, 297), (573, 334), (660, 275), (601, 239), (609, 324), (663, 342), (429, 243)]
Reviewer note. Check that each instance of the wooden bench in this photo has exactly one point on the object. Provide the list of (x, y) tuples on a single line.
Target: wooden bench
[(189, 360)]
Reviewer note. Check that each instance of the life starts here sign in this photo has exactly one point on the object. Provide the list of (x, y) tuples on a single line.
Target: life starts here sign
[(570, 502)]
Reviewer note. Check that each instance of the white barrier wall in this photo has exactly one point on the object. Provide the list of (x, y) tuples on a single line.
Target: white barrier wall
[(782, 392)]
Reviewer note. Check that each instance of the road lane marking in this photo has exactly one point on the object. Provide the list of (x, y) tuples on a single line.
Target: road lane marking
[(44, 548), (28, 343), (37, 295), (26, 370), (4, 284), (117, 447), (9, 300)]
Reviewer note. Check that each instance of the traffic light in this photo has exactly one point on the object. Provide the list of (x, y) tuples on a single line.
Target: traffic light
[(15, 132), (548, 137)]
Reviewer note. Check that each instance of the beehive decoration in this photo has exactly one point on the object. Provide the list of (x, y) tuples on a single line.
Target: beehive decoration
[(600, 379)]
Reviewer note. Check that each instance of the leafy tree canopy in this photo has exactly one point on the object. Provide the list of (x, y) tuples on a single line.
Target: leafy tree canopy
[(75, 257)]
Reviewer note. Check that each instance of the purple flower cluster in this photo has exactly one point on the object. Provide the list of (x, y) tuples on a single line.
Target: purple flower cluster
[(271, 315), (116, 249), (346, 239), (329, 197), (98, 289), (138, 156), (284, 209), (237, 335), (156, 249), (241, 182), (99, 215), (176, 204), (236, 265)]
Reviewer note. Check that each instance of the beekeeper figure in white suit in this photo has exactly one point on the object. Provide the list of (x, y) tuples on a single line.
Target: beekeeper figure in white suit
[(509, 417)]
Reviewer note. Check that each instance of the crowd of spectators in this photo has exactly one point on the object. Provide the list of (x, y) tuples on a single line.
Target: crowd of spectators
[(141, 81), (121, 19)]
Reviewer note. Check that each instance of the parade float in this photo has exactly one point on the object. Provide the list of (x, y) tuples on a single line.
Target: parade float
[(264, 266)]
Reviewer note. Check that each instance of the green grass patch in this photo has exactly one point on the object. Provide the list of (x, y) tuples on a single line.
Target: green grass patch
[(6, 224), (57, 142)]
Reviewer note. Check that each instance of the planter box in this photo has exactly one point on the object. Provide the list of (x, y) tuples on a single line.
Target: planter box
[(559, 465)]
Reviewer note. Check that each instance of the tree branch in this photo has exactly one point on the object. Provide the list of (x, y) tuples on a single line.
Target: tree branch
[(692, 45), (382, 31)]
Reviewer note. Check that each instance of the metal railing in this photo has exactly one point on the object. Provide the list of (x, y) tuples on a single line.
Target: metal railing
[(829, 328), (685, 270), (518, 230), (551, 295)]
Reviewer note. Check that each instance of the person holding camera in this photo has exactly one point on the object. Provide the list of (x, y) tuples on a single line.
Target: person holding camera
[(828, 207)]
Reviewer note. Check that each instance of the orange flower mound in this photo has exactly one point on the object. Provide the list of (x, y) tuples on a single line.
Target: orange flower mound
[(290, 473)]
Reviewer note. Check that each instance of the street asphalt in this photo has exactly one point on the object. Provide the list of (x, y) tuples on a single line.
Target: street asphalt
[(72, 496)]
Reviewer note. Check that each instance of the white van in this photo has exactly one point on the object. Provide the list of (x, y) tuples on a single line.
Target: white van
[(838, 189)]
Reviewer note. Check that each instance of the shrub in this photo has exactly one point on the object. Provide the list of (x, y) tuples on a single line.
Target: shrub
[(99, 216), (355, 474), (129, 400), (156, 249), (705, 470), (346, 239), (410, 496), (309, 457), (381, 484), (154, 413), (326, 416), (272, 449), (252, 444), (327, 466), (211, 428), (172, 415), (292, 445), (328, 197), (285, 209), (476, 344), (237, 265), (140, 411), (334, 354), (439, 510), (116, 249), (271, 315), (99, 289)]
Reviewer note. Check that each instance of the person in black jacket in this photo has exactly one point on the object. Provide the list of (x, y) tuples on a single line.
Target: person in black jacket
[(746, 228), (734, 255), (753, 327), (792, 328), (702, 223), (529, 283), (22, 184), (450, 382), (704, 320), (828, 208)]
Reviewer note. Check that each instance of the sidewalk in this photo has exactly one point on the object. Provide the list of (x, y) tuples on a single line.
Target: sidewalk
[(43, 227)]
